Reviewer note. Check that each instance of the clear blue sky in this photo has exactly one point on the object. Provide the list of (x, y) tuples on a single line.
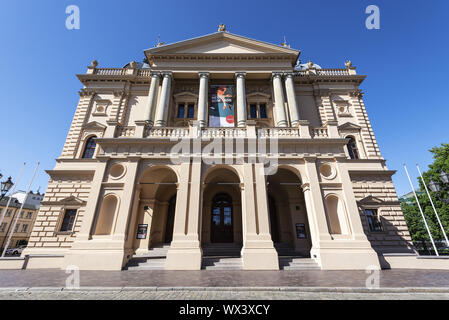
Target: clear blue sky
[(406, 62)]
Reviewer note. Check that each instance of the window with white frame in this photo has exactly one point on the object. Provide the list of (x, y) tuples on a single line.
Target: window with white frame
[(186, 110), (24, 228), (258, 110)]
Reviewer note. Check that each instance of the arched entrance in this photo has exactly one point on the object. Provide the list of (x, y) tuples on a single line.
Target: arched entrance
[(156, 210), (221, 229), (221, 223), (288, 216)]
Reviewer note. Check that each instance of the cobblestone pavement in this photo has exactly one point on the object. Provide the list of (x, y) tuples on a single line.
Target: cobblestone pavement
[(136, 294), (225, 278)]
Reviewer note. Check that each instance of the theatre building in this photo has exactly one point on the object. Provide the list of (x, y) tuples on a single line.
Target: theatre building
[(220, 152)]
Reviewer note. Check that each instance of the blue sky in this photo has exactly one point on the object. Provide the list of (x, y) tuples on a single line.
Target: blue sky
[(405, 61)]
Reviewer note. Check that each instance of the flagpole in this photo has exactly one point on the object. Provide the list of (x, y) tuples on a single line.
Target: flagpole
[(20, 211), (433, 206), (420, 209), (12, 192)]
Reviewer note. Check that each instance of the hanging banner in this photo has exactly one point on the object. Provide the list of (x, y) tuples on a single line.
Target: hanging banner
[(221, 109)]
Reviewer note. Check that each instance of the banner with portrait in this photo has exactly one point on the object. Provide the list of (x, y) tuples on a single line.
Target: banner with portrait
[(221, 108)]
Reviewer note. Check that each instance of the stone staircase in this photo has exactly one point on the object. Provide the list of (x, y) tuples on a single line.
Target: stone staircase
[(222, 263), (154, 259), (297, 263), (289, 259), (222, 249), (222, 256)]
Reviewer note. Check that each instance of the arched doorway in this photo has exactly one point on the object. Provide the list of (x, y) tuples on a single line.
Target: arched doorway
[(221, 225), (288, 216), (222, 230), (156, 210)]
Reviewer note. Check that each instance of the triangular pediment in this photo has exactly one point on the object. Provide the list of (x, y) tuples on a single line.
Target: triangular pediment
[(94, 125), (371, 200), (69, 201), (221, 43), (349, 126)]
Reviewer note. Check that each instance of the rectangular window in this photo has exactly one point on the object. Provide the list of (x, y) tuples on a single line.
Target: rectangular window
[(373, 218), (8, 213), (17, 227), (24, 228), (29, 215), (181, 110), (190, 111), (3, 227), (263, 111), (253, 111), (69, 220)]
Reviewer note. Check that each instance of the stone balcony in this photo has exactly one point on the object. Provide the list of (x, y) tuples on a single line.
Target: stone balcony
[(302, 131)]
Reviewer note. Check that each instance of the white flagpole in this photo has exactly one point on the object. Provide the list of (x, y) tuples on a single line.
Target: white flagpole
[(420, 209), (20, 211), (433, 206), (12, 192)]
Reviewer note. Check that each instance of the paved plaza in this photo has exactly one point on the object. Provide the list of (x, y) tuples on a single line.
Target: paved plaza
[(224, 285)]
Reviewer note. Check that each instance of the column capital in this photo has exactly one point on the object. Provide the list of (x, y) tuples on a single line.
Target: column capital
[(240, 74), (167, 74), (289, 74), (203, 75), (155, 74), (276, 74)]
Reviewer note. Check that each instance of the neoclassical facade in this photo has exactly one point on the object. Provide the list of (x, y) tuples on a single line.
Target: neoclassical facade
[(220, 143)]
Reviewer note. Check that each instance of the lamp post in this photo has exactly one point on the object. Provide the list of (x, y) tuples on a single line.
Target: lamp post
[(435, 186), (6, 185)]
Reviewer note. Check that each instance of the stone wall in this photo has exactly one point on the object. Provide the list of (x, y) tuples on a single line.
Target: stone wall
[(378, 192), (61, 194)]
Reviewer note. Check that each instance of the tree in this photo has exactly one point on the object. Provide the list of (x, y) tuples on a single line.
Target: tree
[(411, 212)]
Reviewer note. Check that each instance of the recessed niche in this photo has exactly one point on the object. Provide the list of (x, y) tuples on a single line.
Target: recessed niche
[(117, 171), (327, 171)]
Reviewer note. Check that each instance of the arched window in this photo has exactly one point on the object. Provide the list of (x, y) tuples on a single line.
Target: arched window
[(89, 149), (352, 148)]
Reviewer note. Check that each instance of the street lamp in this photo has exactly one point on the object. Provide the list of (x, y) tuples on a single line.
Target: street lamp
[(6, 185), (435, 186), (444, 177)]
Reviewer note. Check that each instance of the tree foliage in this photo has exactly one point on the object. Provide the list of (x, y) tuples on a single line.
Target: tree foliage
[(411, 211)]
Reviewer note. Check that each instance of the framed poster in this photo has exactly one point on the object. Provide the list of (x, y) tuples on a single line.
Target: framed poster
[(142, 231), (301, 231), (221, 108)]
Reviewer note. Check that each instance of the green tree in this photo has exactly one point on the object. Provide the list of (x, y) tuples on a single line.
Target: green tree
[(411, 211)]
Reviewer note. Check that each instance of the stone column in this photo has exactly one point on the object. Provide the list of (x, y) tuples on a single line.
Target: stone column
[(164, 100), (281, 118), (185, 250), (241, 99), (152, 98), (258, 252), (202, 99), (291, 98)]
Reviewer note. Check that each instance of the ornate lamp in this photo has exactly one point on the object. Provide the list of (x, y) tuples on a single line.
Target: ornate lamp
[(444, 177), (6, 185), (434, 186)]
